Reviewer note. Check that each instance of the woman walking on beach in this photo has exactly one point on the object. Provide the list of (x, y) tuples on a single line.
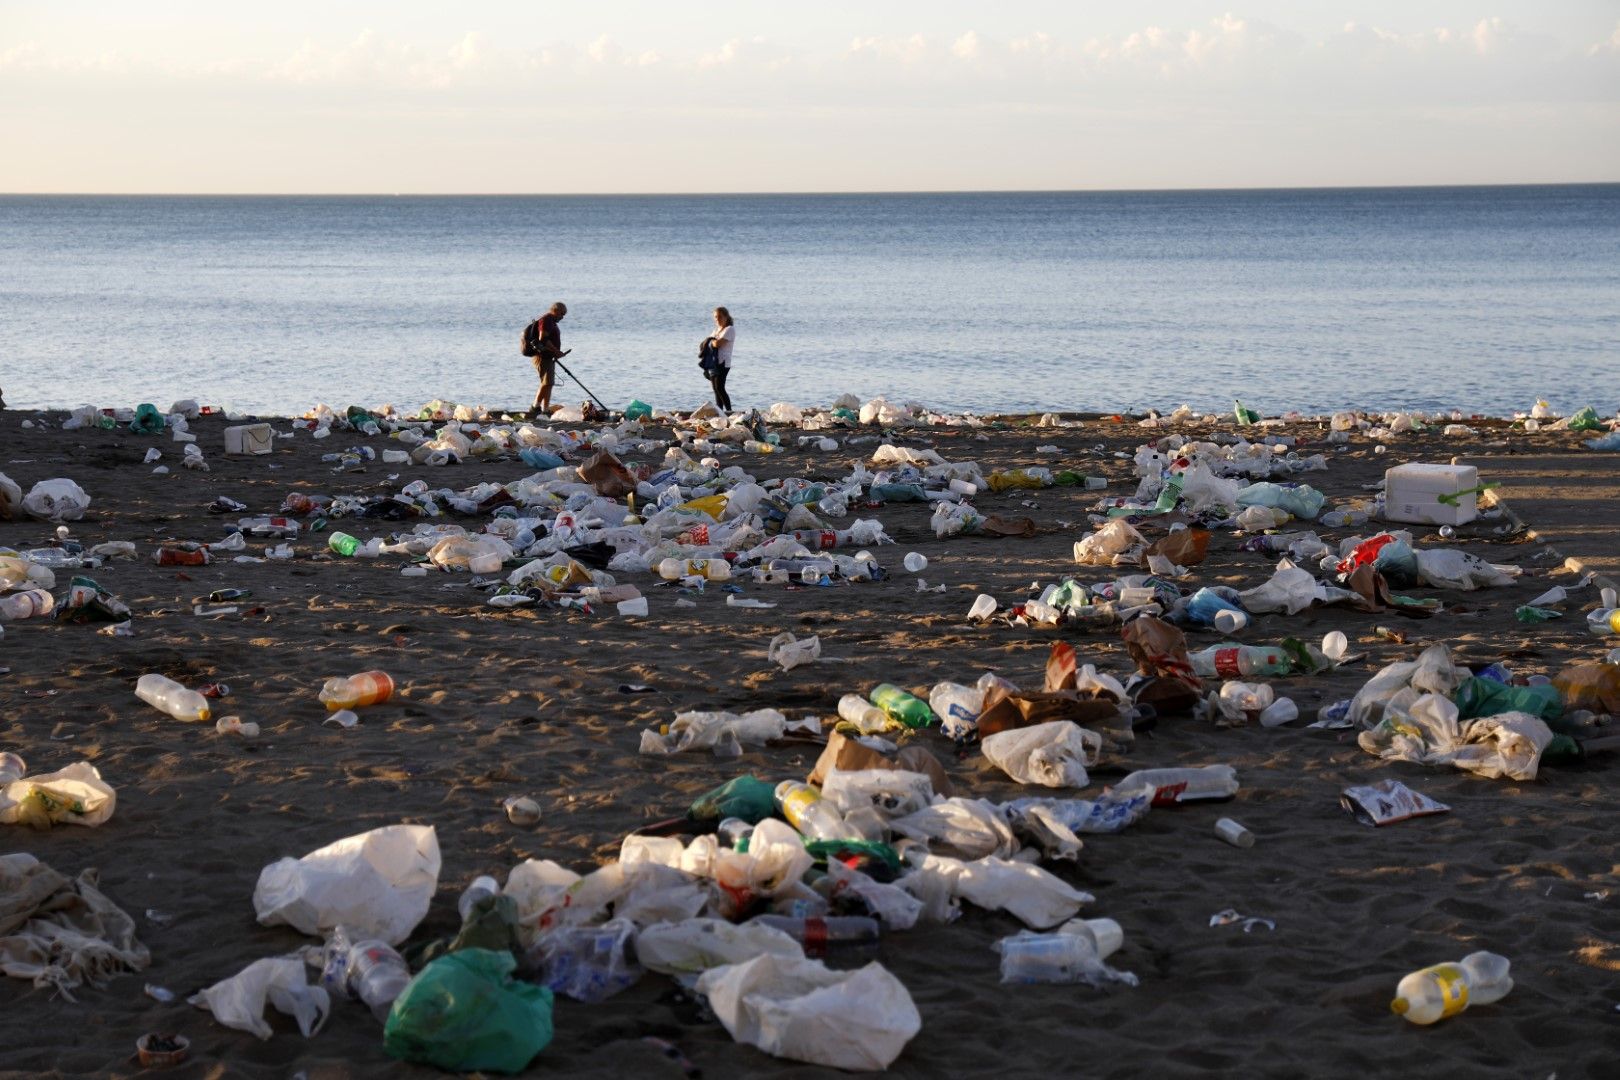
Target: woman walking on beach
[(723, 338)]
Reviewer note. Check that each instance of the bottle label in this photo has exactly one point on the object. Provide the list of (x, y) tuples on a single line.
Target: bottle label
[(815, 937), (1226, 663), (1453, 984), (796, 802)]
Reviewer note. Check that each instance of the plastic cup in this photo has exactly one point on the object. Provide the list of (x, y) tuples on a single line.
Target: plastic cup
[(1228, 621), (983, 608), (1233, 833), (916, 562), (1610, 598), (1334, 645)]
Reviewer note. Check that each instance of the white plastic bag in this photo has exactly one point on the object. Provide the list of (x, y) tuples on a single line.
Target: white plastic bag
[(1448, 568), (969, 828), (891, 792), (803, 1011), (1290, 589), (715, 731), (1113, 539), (377, 884), (789, 651), (1054, 754), (76, 795), (691, 946), (1428, 732), (56, 500), (238, 1002), (1039, 899)]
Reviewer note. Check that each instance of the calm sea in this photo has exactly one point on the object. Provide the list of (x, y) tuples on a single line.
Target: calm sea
[(1483, 298)]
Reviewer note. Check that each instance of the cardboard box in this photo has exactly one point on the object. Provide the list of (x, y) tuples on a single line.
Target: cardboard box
[(1412, 494), (248, 439)]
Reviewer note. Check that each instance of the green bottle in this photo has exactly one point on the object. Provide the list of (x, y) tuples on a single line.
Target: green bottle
[(343, 543), (908, 709)]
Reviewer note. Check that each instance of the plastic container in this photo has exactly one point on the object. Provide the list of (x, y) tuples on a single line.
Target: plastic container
[(249, 439), (482, 888), (1412, 494), (26, 604), (712, 569), (1230, 660), (1434, 993), (1604, 621), (915, 562), (366, 688), (166, 695)]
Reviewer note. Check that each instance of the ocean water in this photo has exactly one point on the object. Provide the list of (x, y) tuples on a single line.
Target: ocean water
[(1480, 298)]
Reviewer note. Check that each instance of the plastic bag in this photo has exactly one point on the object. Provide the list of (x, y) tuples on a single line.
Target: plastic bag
[(1428, 732), (1290, 589), (1590, 686), (239, 1001), (1302, 501), (1432, 672), (955, 519), (1114, 539), (971, 828), (715, 731), (56, 500), (76, 795), (891, 792), (790, 652), (691, 946), (1448, 568), (377, 884), (803, 1011), (1038, 898), (1053, 754), (464, 1012), (11, 498)]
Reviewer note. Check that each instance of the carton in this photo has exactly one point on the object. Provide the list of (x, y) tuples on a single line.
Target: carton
[(248, 439), (1412, 494)]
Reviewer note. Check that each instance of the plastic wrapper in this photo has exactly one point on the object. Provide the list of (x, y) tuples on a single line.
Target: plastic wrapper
[(803, 1011), (1053, 754), (1387, 802), (464, 1012), (76, 795), (239, 1001), (377, 884)]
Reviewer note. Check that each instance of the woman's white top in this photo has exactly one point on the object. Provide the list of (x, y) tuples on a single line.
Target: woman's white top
[(725, 337)]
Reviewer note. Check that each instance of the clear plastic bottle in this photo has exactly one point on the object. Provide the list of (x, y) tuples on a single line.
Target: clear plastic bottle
[(366, 688), (1072, 954), (1229, 660), (166, 695), (1184, 785), (372, 971), (817, 934), (26, 604), (805, 809), (1604, 621), (1434, 993), (862, 713)]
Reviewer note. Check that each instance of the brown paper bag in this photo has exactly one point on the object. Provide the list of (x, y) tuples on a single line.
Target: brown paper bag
[(1159, 649), (607, 475), (1184, 547)]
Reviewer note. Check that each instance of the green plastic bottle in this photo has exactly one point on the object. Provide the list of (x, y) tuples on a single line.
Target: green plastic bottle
[(343, 543), (1245, 417), (908, 709)]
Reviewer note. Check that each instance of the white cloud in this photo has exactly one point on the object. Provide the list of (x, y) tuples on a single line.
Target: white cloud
[(967, 46)]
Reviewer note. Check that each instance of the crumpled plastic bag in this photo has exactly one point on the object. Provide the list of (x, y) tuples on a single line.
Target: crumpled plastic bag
[(691, 946), (971, 828), (1433, 672), (890, 792), (587, 963), (1034, 896), (789, 652), (1112, 541), (1053, 754), (377, 884), (1290, 589), (803, 1011), (464, 1012), (239, 1001), (955, 519), (774, 862), (1183, 547), (1202, 490), (1428, 732), (1448, 568), (1302, 501), (75, 795), (891, 905), (56, 500), (715, 731)]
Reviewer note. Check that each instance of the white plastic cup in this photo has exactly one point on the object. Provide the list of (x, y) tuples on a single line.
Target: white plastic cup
[(1335, 645), (1279, 712), (1233, 833), (964, 487), (916, 562), (983, 608), (1228, 621)]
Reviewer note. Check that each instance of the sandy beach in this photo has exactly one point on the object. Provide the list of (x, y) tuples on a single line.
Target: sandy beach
[(527, 701)]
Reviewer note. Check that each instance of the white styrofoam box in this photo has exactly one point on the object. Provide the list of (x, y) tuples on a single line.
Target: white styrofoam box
[(1412, 494), (248, 439)]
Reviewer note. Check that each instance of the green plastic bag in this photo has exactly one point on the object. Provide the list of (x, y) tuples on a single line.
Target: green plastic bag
[(637, 410), (746, 797), (148, 421), (464, 1012), (1586, 420), (1486, 697)]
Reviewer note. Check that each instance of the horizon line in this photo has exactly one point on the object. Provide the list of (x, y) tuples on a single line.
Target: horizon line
[(779, 193)]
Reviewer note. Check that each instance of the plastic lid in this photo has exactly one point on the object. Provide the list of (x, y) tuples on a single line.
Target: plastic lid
[(1399, 1006)]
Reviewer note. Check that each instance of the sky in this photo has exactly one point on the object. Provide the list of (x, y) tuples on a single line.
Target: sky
[(730, 96)]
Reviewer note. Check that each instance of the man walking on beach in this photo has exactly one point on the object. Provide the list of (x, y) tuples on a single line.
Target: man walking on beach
[(548, 350)]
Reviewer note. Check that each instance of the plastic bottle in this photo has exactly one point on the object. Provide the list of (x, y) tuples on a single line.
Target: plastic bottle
[(1230, 660), (909, 709), (817, 934), (166, 695), (862, 713), (733, 831), (482, 888), (26, 604), (343, 543), (1171, 786), (1434, 993), (805, 809), (169, 556), (372, 971), (712, 569), (1604, 621), (366, 688)]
